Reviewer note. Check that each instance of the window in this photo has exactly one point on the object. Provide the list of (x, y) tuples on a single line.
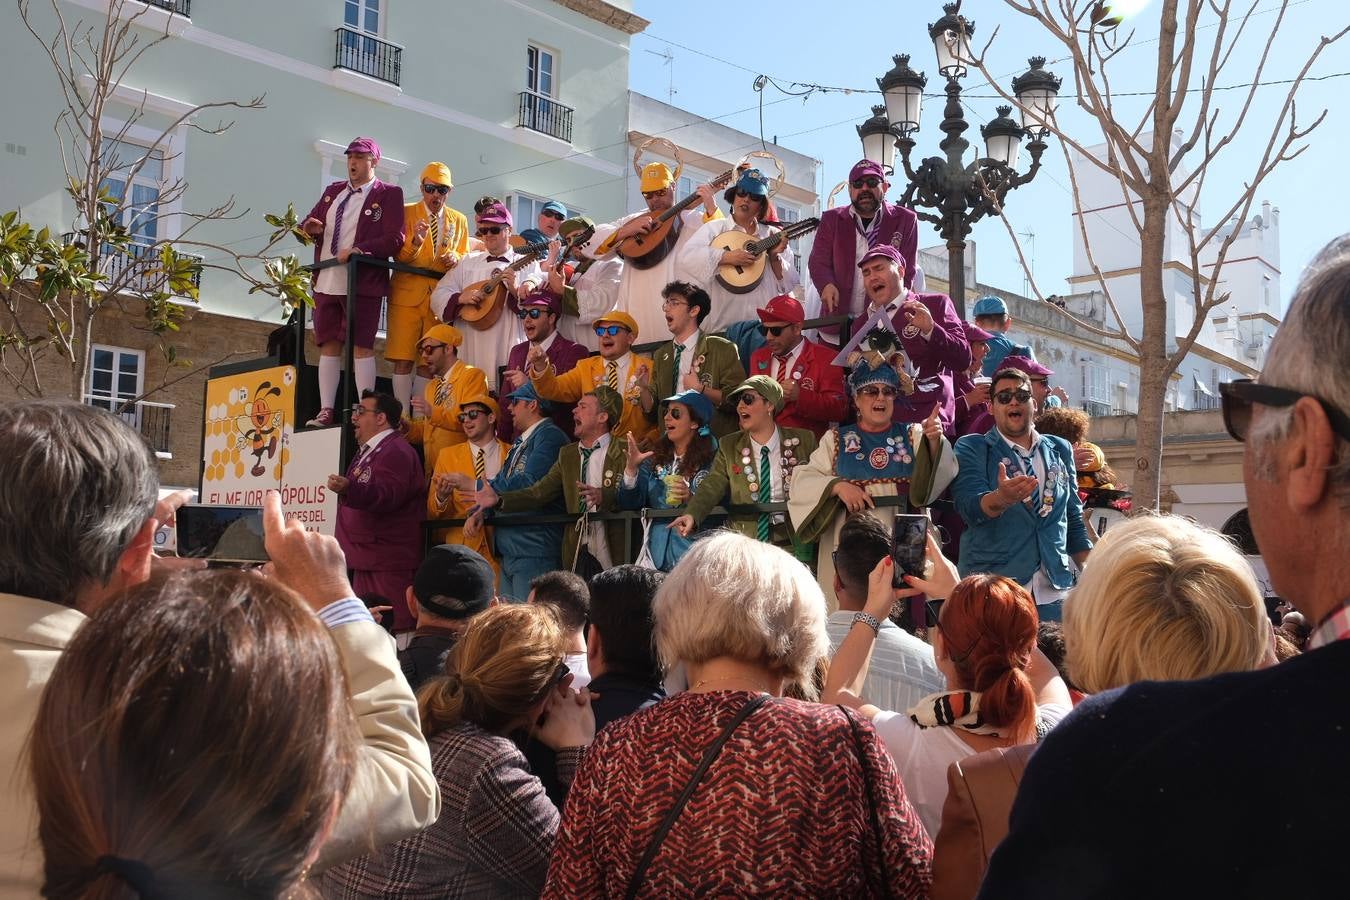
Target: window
[(115, 376), (1095, 385), (140, 211), (525, 210), (539, 70), (363, 15)]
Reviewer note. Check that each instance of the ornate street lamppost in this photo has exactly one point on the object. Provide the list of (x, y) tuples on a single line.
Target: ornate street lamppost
[(960, 193)]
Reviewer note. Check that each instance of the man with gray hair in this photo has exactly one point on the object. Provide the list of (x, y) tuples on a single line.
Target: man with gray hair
[(1164, 789), (78, 515)]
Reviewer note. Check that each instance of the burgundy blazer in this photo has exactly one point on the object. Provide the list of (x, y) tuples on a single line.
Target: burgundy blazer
[(821, 398), (379, 231), (969, 420), (834, 256), (379, 520), (943, 354), (564, 355)]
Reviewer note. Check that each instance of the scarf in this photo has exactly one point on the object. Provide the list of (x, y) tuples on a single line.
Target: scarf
[(956, 709)]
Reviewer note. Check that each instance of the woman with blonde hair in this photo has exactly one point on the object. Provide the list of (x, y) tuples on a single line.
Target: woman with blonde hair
[(1163, 599), (505, 676), (728, 787)]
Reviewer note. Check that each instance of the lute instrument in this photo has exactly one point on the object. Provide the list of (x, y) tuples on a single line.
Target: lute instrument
[(645, 251), (489, 309), (745, 278)]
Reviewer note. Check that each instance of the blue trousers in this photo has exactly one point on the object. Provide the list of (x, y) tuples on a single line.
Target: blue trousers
[(519, 571)]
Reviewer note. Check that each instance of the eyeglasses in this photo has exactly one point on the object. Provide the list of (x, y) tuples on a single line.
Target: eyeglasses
[(877, 390), (1239, 395), (774, 330), (532, 313), (435, 189), (550, 214), (554, 680), (359, 410), (741, 193), (611, 330), (865, 182), (470, 415), (672, 302), (746, 398), (489, 229), (1003, 398), (652, 195), (934, 608), (431, 348)]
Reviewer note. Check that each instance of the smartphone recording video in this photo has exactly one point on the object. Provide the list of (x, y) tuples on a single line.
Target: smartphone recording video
[(224, 534), (909, 545)]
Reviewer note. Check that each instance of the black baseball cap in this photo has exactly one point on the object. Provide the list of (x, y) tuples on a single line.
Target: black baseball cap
[(454, 582)]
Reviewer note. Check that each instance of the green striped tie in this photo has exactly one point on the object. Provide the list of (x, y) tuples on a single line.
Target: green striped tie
[(585, 465), (765, 492)]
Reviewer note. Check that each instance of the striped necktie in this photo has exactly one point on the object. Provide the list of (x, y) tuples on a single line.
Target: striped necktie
[(782, 367), (479, 467), (765, 492), (435, 234), (337, 220), (1027, 463), (443, 390), (679, 351), (612, 376), (585, 465)]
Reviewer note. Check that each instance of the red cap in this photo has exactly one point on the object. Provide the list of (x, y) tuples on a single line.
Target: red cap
[(783, 308)]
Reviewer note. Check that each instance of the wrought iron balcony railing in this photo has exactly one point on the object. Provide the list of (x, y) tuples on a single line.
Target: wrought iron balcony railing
[(539, 113), (152, 420), (369, 55), (134, 266)]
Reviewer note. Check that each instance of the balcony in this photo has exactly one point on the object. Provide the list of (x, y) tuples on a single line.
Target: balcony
[(180, 7), (542, 114), (136, 266), (368, 55), (151, 419)]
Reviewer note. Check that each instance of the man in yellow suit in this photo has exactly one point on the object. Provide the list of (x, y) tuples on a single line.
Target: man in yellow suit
[(617, 367), (437, 236), (461, 469), (454, 381)]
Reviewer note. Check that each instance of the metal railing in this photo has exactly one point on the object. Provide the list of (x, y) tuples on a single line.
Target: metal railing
[(136, 265), (545, 115), (153, 420), (369, 55), (180, 7)]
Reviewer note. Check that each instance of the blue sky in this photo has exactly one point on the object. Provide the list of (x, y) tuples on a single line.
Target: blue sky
[(717, 51)]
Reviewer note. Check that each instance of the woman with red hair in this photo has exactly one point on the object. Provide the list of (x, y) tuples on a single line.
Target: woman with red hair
[(1001, 690)]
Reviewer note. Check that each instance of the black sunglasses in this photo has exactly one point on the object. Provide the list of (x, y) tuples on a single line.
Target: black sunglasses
[(1239, 395), (865, 182), (651, 195), (435, 189), (741, 193), (1003, 398), (554, 680), (774, 330), (470, 415), (532, 313), (489, 229), (674, 413), (746, 398), (550, 214)]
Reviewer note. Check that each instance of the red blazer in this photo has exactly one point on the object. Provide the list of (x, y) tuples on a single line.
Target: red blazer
[(379, 520), (821, 398), (834, 256), (564, 355), (379, 231)]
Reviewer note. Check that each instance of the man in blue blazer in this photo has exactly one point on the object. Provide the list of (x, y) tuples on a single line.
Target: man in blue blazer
[(527, 550), (1016, 491)]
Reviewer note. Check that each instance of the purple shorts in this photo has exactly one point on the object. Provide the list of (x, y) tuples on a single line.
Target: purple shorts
[(330, 319)]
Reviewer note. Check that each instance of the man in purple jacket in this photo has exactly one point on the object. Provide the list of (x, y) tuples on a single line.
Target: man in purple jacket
[(381, 505), (848, 232), (930, 333), (539, 312), (362, 215)]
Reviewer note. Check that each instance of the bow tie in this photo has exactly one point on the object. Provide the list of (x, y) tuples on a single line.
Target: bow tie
[(497, 259)]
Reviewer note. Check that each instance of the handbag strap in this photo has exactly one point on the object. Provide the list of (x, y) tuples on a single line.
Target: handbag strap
[(709, 755), (871, 801)]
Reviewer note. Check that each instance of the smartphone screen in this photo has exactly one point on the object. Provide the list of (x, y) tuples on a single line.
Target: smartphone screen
[(909, 544), (221, 533)]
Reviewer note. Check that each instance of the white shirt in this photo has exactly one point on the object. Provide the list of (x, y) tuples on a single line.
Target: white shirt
[(595, 466), (490, 349), (686, 357), (581, 672), (621, 370), (373, 442), (860, 248), (699, 262), (334, 280), (1041, 589), (492, 460), (902, 670), (594, 475), (793, 355), (547, 342), (775, 446)]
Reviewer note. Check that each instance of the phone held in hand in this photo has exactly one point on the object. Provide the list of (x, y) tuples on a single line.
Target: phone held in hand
[(909, 545), (222, 534)]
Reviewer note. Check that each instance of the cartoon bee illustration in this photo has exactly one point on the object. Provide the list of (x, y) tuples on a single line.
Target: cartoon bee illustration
[(260, 427)]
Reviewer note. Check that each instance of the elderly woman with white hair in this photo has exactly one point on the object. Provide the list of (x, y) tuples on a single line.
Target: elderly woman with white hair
[(728, 788)]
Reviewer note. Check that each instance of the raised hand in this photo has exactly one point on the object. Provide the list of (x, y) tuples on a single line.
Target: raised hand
[(942, 574), (515, 378), (977, 396), (829, 297), (1015, 489), (918, 315), (932, 430), (854, 498), (485, 497), (635, 456), (420, 232), (683, 526), (536, 359), (309, 563)]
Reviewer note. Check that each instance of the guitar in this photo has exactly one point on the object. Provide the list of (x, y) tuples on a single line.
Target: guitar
[(489, 310), (744, 279), (644, 251)]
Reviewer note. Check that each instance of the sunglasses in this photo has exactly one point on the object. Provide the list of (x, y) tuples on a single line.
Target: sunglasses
[(1003, 398), (435, 189), (489, 229), (550, 214), (431, 348), (470, 415), (774, 330), (532, 313), (746, 398), (1239, 395), (865, 182), (611, 330), (652, 195), (674, 413), (554, 680), (877, 390), (934, 608), (741, 193)]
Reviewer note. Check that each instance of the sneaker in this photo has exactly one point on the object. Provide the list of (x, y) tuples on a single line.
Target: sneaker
[(323, 419)]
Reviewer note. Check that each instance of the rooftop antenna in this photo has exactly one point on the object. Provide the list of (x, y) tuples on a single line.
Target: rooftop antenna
[(670, 64), (1026, 281)]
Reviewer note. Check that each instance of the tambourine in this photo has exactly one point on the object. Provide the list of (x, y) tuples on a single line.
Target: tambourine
[(774, 185), (674, 154)]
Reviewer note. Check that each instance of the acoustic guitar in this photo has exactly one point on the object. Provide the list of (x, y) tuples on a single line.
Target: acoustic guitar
[(744, 279), (489, 310), (645, 251)]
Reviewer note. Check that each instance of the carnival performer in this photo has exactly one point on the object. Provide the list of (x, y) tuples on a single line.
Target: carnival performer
[(592, 287), (813, 386), (668, 475), (694, 360), (452, 382), (462, 468)]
